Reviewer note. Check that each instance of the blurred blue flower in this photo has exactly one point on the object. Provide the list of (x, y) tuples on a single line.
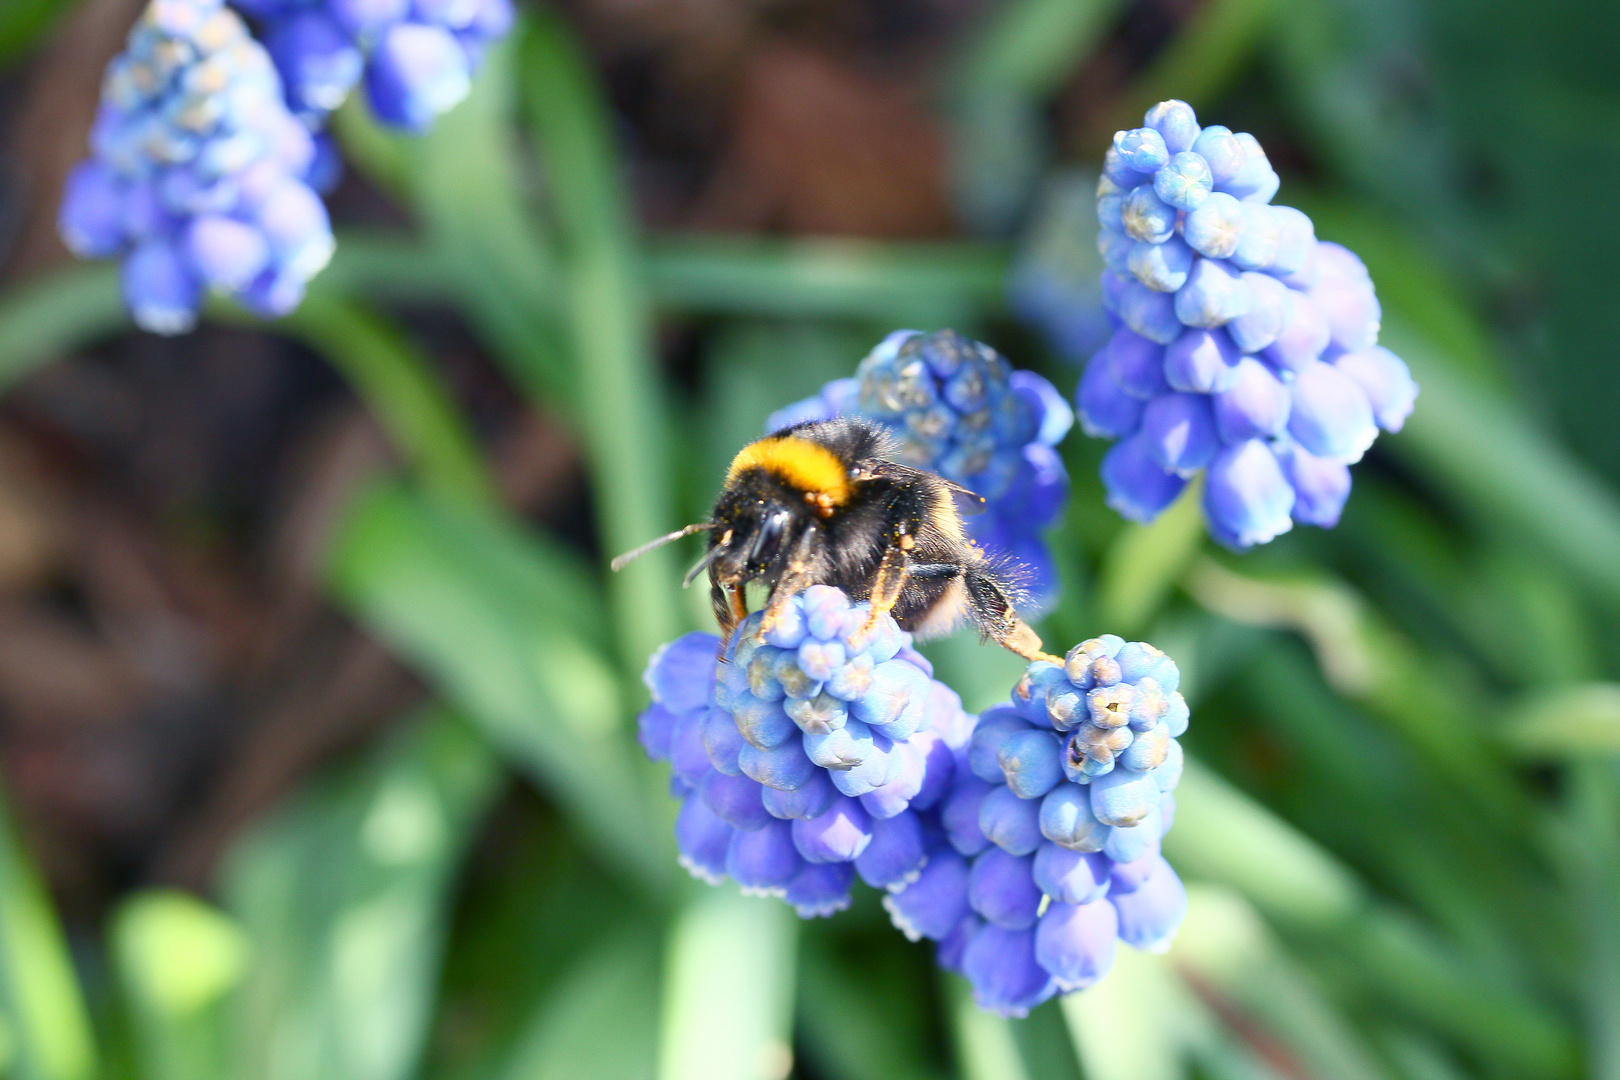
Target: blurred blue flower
[(199, 176), (415, 57), (1217, 296), (1048, 849), (812, 745), (958, 409)]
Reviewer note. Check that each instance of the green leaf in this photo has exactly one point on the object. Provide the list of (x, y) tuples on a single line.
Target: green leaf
[(728, 988), (856, 1027), (985, 1046), (508, 628), (1144, 562), (1566, 723), (46, 1024), (343, 895), (1119, 1040), (598, 1020), (177, 958), (622, 415), (925, 285), (67, 309)]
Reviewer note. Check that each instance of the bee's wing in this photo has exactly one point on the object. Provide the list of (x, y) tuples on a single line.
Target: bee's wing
[(968, 503)]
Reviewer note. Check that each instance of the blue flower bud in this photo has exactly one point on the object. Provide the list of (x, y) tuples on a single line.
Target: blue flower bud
[(784, 766), (850, 682), (1175, 121), (1201, 361), (936, 902), (1142, 150), (687, 757), (1255, 176), (896, 795), (960, 816), (294, 222), (819, 717), (1106, 410), (1384, 378), (1071, 877), (1147, 751), (160, 289), (1214, 295), (318, 61), (1006, 977), (1296, 241), (1168, 775), (839, 748), (1221, 150), (809, 800), (365, 19), (722, 741), (939, 772), (1257, 238), (703, 840), (820, 889), (1029, 760), (1138, 660), (1150, 914), (825, 609), (839, 834), (1303, 337), (1247, 500), (734, 799), (1149, 312), (1185, 182), (896, 855), (1255, 406), (1180, 431), (1075, 943), (1136, 364), (416, 72), (1270, 309), (1113, 245), (1137, 487), (953, 946), (881, 766), (91, 218), (226, 254), (1321, 485), (762, 861), (763, 724), (1161, 267), (1001, 887), (1067, 820), (1216, 227), (1147, 217), (1330, 417), (819, 659), (1010, 822), (1123, 797), (896, 703), (655, 730), (1127, 843), (984, 749)]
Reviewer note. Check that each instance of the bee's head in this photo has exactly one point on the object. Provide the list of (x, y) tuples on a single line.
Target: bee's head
[(754, 540)]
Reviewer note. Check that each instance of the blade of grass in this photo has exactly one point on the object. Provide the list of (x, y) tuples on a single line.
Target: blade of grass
[(984, 1043), (1590, 843), (728, 988), (1117, 1039), (40, 1001), (56, 313), (508, 627), (623, 418)]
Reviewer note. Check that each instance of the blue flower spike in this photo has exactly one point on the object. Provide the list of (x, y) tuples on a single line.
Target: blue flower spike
[(415, 60), (1243, 347), (805, 757), (957, 408), (1071, 785), (199, 177)]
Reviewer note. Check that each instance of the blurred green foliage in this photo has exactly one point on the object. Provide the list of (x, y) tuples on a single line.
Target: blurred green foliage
[(1402, 831)]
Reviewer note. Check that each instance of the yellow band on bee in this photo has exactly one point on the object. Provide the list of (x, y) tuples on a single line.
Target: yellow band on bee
[(805, 465)]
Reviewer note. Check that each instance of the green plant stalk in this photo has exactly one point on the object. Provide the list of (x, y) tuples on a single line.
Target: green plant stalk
[(403, 391), (1143, 564), (40, 1001), (1591, 849), (56, 313), (620, 398)]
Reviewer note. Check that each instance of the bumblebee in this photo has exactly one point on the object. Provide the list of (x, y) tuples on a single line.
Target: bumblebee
[(825, 502)]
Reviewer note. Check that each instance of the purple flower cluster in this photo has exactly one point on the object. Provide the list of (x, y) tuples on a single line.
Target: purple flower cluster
[(1054, 825), (199, 176), (808, 756), (958, 409), (1247, 348), (417, 57)]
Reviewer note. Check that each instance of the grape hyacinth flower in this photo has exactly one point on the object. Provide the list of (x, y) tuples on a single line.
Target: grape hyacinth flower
[(958, 409), (1053, 829), (199, 177), (416, 57), (1246, 349), (807, 757)]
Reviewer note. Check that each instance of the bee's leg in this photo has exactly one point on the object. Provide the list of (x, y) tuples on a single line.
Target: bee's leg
[(887, 585), (729, 608), (795, 578), (994, 613)]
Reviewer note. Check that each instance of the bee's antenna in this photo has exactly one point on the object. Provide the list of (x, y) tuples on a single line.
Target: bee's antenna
[(619, 563), (702, 565)]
